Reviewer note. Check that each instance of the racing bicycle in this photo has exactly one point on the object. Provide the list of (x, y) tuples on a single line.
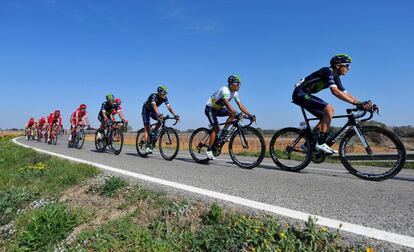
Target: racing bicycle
[(246, 144), (167, 138), (366, 151), (78, 137), (110, 136)]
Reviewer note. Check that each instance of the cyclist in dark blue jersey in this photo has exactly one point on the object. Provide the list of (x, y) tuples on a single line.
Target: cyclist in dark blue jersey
[(326, 77), (150, 110), (106, 111)]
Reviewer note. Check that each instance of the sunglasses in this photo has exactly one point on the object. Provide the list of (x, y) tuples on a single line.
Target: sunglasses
[(346, 65), (237, 84)]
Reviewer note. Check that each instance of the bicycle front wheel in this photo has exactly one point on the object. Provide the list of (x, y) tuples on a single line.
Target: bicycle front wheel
[(169, 144), (80, 139), (198, 145), (141, 144), (117, 140), (373, 153), (100, 140), (247, 148), (290, 149)]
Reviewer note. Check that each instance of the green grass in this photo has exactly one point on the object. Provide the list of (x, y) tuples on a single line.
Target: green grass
[(151, 221), (43, 228)]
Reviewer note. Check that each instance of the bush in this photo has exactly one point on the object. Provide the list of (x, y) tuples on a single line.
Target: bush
[(112, 186), (10, 201)]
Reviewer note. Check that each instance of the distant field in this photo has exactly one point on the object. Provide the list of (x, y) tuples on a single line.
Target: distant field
[(11, 133)]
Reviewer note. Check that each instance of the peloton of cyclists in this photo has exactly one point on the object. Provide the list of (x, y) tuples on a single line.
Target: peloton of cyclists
[(218, 105), (78, 118), (326, 77), (52, 119), (150, 110)]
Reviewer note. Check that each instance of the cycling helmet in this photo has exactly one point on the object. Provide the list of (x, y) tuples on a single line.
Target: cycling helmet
[(341, 59), (234, 79), (118, 101), (41, 119), (82, 106), (109, 97), (31, 119), (162, 89), (57, 112)]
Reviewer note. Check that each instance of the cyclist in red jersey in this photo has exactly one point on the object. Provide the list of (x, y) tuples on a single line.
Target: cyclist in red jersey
[(29, 125), (78, 118), (117, 110), (52, 119)]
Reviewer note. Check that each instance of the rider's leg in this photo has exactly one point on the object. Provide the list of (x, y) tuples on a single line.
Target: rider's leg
[(324, 128)]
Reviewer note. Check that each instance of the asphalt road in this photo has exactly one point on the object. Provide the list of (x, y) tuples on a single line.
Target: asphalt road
[(326, 190)]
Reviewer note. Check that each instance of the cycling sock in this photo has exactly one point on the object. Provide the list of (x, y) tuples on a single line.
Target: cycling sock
[(209, 148), (322, 137)]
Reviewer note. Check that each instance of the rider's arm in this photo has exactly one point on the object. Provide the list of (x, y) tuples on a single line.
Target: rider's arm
[(171, 109), (343, 95), (229, 106), (155, 108), (243, 108), (87, 119)]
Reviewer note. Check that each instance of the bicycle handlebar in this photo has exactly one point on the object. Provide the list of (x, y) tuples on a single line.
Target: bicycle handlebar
[(374, 108), (168, 117)]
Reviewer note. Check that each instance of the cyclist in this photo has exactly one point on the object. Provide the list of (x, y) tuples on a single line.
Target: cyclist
[(218, 105), (78, 117), (105, 114), (117, 110), (29, 125), (326, 77), (150, 109), (52, 119)]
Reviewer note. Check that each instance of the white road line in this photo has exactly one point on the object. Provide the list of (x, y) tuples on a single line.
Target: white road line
[(403, 240)]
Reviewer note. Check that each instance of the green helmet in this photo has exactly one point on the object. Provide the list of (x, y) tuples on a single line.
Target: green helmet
[(109, 97), (162, 89), (234, 79), (341, 59)]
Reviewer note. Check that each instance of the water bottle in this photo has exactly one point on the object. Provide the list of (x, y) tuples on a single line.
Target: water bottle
[(302, 125)]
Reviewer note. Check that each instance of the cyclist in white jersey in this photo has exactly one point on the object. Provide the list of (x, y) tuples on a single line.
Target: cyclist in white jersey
[(218, 105)]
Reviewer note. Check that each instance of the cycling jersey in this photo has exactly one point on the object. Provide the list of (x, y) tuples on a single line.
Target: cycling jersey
[(41, 122), (30, 123), (81, 114), (155, 98), (315, 82), (108, 108), (52, 118), (321, 79), (216, 101)]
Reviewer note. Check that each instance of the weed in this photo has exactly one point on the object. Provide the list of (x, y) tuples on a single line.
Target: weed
[(44, 227), (112, 186)]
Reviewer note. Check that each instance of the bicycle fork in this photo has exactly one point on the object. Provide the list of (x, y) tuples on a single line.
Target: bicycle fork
[(362, 139)]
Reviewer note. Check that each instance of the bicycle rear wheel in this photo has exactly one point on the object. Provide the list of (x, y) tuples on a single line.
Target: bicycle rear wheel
[(80, 139), (290, 149), (169, 144), (117, 140), (100, 144), (141, 144), (387, 157), (198, 144), (248, 149)]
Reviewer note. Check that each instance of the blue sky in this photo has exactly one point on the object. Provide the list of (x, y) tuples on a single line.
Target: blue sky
[(60, 53)]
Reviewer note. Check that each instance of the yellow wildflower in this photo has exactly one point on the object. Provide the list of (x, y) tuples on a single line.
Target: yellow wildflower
[(282, 235), (324, 229), (370, 249)]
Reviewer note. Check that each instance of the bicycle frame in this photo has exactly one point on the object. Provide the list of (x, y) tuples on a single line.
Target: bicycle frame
[(351, 123), (162, 127), (236, 123)]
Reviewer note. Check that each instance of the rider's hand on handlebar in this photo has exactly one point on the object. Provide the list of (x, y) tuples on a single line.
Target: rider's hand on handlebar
[(252, 118), (177, 117), (365, 105), (125, 121)]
